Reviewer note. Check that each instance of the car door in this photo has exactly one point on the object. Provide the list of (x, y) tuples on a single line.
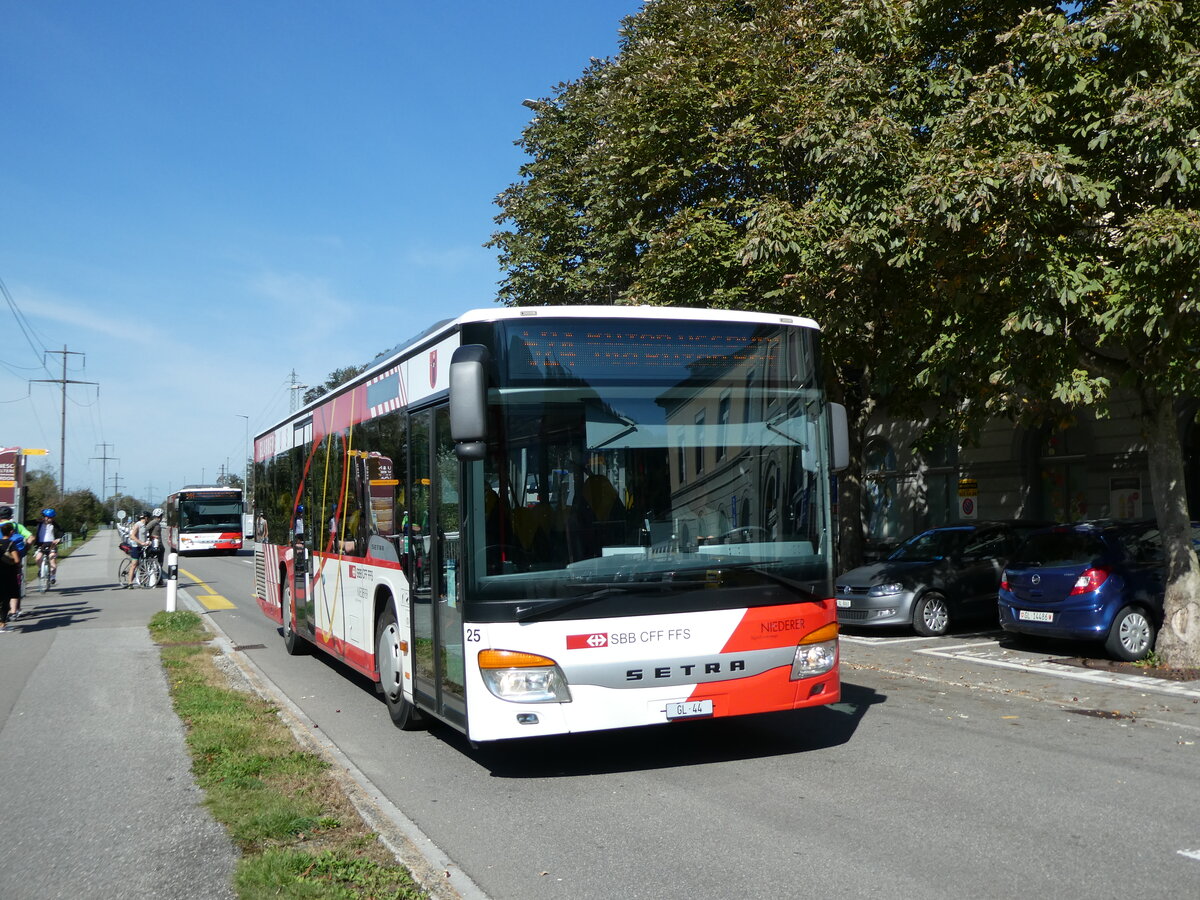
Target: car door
[(980, 567)]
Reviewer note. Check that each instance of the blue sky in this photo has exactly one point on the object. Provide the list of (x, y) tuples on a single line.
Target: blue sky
[(204, 197)]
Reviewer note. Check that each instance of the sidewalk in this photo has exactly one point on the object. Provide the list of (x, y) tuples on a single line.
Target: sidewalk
[(98, 795)]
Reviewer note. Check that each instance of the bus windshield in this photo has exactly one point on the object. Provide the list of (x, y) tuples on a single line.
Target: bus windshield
[(603, 488), (210, 514)]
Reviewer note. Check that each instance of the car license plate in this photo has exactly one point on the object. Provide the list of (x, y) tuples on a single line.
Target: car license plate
[(843, 603), (1035, 615), (689, 709)]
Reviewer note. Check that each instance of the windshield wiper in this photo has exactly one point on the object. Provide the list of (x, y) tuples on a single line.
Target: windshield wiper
[(778, 579), (541, 610)]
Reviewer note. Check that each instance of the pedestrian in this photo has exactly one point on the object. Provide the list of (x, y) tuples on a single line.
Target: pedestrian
[(22, 537), (10, 567)]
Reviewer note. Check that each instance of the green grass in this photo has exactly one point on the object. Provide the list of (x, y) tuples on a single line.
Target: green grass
[(298, 834)]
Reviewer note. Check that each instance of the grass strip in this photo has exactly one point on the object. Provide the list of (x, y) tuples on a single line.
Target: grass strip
[(298, 834)]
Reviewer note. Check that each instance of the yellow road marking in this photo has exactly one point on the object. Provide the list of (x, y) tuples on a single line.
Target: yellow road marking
[(210, 600)]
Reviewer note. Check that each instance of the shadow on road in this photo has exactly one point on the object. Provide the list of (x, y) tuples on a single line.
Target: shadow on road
[(676, 745), (42, 616)]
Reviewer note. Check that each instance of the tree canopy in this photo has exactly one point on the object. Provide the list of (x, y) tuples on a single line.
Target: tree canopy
[(990, 208)]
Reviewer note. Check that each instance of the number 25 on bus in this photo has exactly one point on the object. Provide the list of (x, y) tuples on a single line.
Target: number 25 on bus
[(551, 520)]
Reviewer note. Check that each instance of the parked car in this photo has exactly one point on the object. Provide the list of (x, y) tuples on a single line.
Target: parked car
[(939, 576), (1088, 582)]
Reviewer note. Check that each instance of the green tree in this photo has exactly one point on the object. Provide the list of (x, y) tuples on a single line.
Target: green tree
[(1061, 196), (990, 208), (41, 492), (81, 509)]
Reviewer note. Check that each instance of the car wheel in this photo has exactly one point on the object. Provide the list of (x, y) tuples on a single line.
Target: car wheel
[(931, 615), (1132, 635), (390, 663), (292, 642)]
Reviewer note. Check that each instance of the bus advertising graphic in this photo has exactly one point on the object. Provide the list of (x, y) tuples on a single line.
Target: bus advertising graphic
[(544, 521)]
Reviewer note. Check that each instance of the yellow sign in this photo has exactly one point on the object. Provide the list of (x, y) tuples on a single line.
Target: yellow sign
[(968, 487), (30, 451)]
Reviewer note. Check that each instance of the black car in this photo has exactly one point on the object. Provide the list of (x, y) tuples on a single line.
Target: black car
[(941, 575)]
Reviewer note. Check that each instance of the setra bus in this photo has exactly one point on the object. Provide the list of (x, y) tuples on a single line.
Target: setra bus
[(205, 518), (537, 521)]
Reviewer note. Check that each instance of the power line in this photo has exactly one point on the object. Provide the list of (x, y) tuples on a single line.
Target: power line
[(104, 464), (26, 329), (64, 381)]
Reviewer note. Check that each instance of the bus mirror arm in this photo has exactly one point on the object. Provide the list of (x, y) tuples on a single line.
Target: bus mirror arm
[(468, 401), (840, 433)]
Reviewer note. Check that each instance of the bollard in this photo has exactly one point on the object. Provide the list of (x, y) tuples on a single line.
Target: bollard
[(172, 580)]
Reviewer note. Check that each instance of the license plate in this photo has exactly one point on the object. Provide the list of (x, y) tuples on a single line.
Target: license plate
[(1033, 615), (843, 604), (689, 709)]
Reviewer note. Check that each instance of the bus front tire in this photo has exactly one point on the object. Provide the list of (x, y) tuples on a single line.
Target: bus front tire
[(292, 642), (390, 663)]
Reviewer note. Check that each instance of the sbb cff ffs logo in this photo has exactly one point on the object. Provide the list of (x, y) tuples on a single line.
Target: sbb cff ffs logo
[(585, 641)]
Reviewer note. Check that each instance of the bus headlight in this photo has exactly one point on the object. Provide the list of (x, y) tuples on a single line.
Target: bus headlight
[(816, 654), (523, 677)]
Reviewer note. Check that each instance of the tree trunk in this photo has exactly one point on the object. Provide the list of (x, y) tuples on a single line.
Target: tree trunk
[(1179, 640), (851, 535)]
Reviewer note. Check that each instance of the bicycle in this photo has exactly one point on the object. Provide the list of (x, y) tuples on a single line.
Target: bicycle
[(142, 571), (45, 572)]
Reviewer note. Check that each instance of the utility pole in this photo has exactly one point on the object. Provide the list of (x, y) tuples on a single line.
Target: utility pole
[(64, 381), (116, 490), (296, 388), (104, 467)]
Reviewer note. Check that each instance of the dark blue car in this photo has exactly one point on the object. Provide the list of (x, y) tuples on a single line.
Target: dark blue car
[(1088, 582)]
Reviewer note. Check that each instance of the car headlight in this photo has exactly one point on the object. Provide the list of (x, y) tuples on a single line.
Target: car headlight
[(885, 590), (816, 654), (523, 677)]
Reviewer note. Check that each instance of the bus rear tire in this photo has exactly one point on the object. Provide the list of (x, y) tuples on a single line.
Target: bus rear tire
[(390, 663), (292, 642)]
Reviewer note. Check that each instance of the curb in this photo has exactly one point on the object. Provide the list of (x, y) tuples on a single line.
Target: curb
[(431, 868)]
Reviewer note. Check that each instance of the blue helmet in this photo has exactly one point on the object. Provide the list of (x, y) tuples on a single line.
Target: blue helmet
[(49, 513)]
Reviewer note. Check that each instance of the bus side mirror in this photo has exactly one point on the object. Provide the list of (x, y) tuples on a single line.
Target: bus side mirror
[(468, 401), (840, 433)]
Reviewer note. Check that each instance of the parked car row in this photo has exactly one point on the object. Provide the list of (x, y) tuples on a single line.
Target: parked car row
[(1100, 582)]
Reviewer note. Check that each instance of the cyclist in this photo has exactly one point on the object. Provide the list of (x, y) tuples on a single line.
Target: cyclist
[(154, 532), (49, 533)]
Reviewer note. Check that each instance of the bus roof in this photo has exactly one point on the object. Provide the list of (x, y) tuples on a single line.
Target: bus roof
[(501, 313)]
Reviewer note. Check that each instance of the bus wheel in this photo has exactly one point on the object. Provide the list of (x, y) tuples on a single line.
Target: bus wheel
[(292, 642), (390, 663)]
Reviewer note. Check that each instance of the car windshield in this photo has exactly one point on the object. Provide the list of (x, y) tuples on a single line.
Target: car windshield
[(1059, 548), (931, 546)]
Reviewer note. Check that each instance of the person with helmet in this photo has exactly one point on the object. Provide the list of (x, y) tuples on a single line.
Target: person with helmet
[(49, 533), (140, 539), (155, 535)]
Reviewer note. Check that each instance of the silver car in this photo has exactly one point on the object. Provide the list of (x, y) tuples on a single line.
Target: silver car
[(938, 577)]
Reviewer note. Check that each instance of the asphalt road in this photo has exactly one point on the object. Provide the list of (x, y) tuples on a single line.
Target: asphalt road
[(953, 767)]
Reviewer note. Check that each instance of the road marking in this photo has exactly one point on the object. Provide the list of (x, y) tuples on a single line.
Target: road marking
[(986, 654), (1190, 854), (875, 641), (211, 599)]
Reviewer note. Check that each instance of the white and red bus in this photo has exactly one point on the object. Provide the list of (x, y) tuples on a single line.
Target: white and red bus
[(539, 521), (205, 519)]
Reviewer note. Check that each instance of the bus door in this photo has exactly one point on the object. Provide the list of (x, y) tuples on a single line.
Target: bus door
[(434, 563)]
